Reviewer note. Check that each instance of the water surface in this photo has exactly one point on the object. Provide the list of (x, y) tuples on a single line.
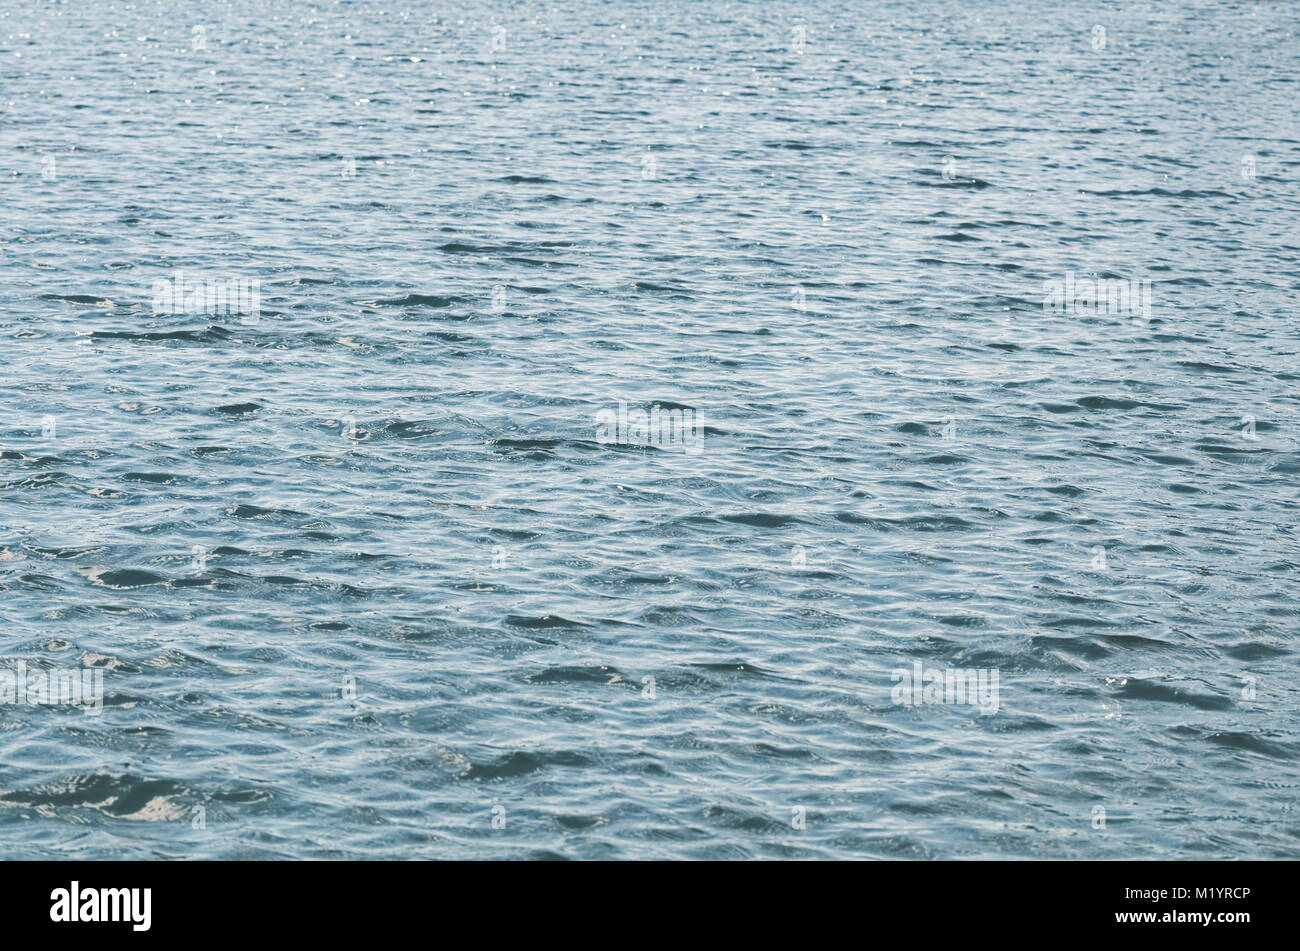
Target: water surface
[(360, 575)]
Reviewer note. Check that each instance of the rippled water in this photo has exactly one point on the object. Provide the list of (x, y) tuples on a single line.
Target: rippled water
[(361, 577)]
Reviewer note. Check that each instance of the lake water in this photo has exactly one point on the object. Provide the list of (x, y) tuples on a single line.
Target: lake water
[(649, 430)]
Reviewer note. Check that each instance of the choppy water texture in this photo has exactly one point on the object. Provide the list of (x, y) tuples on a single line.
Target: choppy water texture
[(395, 476)]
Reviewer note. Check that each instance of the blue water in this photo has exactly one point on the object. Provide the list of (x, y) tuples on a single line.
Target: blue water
[(362, 580)]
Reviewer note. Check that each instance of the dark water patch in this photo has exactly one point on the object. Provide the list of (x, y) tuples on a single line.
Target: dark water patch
[(120, 795), (515, 765), (652, 286), (246, 511), (1117, 402), (1255, 650), (738, 667), (543, 623), (564, 675), (409, 429), (156, 478), (126, 578), (917, 523), (977, 184), (529, 444), (417, 300), (76, 298), (1184, 193), (761, 519), (1238, 741), (212, 334), (1162, 692), (238, 409)]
